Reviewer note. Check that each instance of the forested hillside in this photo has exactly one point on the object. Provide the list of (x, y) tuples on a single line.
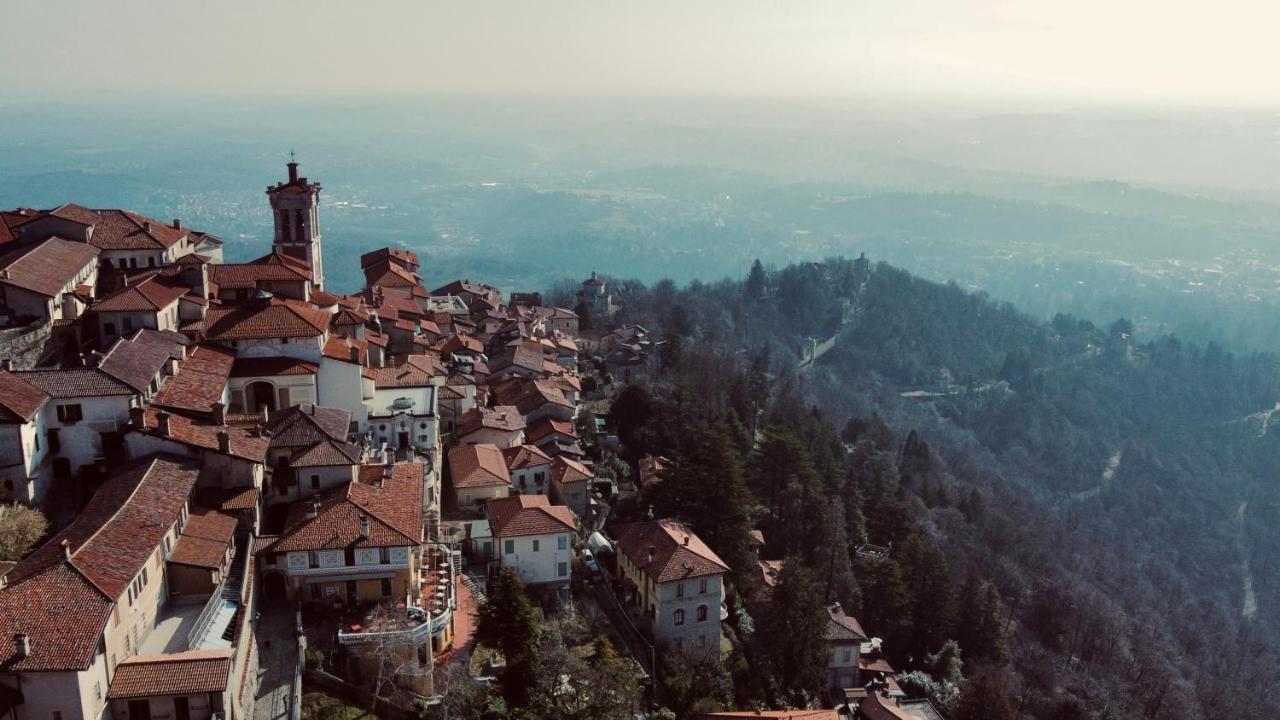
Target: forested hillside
[(1089, 516)]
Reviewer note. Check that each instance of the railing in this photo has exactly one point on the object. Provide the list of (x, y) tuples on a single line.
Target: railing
[(211, 609), (227, 591)]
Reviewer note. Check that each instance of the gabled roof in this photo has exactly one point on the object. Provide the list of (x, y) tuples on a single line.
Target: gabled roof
[(204, 540), (273, 267), (482, 465), (676, 552), (526, 355), (528, 515), (544, 426), (62, 594), (20, 399), (200, 382), (306, 424), (185, 673), (842, 627), (876, 707), (149, 294), (393, 254), (73, 383), (524, 456), (46, 267), (502, 417), (204, 435), (137, 360), (389, 496), (567, 470), (126, 230), (406, 375), (274, 366), (326, 453), (262, 320)]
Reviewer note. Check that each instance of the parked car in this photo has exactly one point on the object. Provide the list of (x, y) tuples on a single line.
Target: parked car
[(589, 561)]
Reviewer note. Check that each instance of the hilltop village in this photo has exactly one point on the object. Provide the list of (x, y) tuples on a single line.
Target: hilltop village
[(256, 488)]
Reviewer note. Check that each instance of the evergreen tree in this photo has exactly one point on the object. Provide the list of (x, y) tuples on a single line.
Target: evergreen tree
[(924, 571), (886, 601), (756, 283), (985, 696), (508, 621), (793, 632)]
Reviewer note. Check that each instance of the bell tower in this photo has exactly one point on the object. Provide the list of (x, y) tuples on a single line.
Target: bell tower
[(295, 208)]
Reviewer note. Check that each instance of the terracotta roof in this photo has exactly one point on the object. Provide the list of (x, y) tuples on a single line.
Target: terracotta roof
[(461, 343), (389, 275), (306, 424), (843, 627), (326, 453), (545, 426), (200, 382), (528, 515), (677, 552), (63, 602), (320, 298), (185, 673), (500, 417), (122, 229), (204, 540), (404, 376), (478, 466), (567, 470), (259, 320), (275, 267), (204, 435), (876, 707), (347, 316), (151, 293), (529, 395), (527, 355), (73, 383), (524, 456), (137, 360), (46, 267), (398, 255), (74, 213), (339, 348), (390, 496), (228, 499), (272, 367), (20, 399)]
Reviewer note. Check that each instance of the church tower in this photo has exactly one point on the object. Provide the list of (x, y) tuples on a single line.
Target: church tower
[(295, 207)]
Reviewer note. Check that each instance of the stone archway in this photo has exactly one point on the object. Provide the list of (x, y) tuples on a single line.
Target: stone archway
[(275, 590), (259, 393)]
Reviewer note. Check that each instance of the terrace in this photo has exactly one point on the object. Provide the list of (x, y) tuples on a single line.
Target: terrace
[(431, 618)]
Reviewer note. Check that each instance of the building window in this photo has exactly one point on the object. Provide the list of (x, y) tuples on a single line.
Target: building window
[(562, 569), (679, 589), (313, 559), (562, 542), (679, 617), (315, 592), (702, 613), (535, 546), (508, 547), (384, 555), (386, 588), (315, 482), (702, 586), (846, 655)]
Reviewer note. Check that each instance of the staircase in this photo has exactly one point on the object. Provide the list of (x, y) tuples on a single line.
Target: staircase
[(216, 627), (475, 589)]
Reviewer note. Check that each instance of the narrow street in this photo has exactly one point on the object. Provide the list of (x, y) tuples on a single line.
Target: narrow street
[(277, 658)]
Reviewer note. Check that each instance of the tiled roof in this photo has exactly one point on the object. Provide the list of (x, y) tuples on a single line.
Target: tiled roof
[(528, 515), (204, 540), (347, 316), (306, 424), (275, 267), (320, 298), (390, 496), (272, 367), (228, 499), (126, 230), (389, 275), (677, 553), (876, 707), (74, 383), (204, 434), (200, 382), (326, 453), (151, 293), (524, 456), (260, 320), (567, 470), (527, 355), (461, 343), (399, 255), (62, 594), (137, 360), (500, 417), (842, 626), (529, 395), (186, 673), (545, 426), (478, 466), (404, 376), (339, 348), (20, 399), (46, 267)]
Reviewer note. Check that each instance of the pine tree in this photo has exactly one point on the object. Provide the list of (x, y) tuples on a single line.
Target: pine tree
[(985, 696), (508, 621), (924, 570), (793, 632), (756, 283)]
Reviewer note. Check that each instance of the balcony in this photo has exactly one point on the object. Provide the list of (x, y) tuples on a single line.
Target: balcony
[(399, 622)]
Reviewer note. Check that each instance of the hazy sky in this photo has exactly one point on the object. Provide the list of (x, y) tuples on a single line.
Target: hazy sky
[(1075, 50)]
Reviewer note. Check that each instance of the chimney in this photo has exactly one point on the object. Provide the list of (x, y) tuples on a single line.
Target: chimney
[(137, 416), (355, 355), (293, 172), (364, 526), (686, 540), (171, 367), (21, 644), (66, 548), (162, 422), (224, 440), (219, 413), (177, 224), (313, 509), (146, 225)]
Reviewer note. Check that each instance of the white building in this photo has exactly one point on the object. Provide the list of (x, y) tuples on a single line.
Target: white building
[(534, 538)]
